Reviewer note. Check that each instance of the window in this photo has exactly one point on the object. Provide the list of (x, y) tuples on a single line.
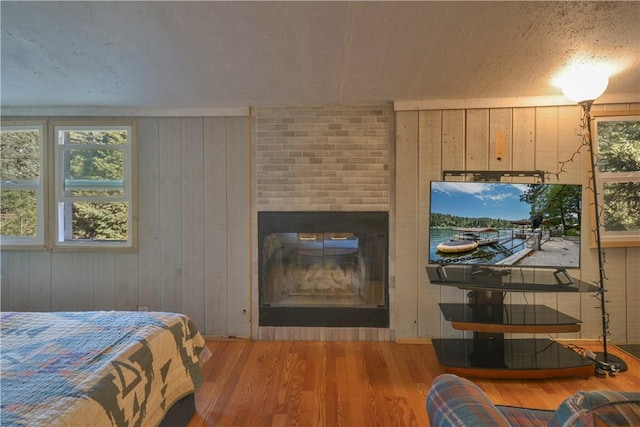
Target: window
[(22, 175), (617, 135), (93, 186), (90, 198)]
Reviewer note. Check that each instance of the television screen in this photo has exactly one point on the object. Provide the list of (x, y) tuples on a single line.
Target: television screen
[(506, 224)]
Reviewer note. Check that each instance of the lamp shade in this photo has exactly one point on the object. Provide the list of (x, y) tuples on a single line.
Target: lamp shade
[(585, 84)]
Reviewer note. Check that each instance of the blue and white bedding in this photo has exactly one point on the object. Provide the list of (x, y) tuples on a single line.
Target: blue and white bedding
[(96, 368)]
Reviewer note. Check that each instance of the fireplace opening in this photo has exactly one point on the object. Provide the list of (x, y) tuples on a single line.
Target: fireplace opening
[(323, 269)]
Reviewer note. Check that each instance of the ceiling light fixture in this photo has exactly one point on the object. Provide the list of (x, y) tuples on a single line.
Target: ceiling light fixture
[(583, 83)]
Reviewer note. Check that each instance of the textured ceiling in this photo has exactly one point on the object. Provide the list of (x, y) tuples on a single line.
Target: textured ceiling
[(235, 54)]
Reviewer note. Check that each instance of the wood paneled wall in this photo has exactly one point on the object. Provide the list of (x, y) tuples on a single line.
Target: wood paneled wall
[(537, 138), (194, 216), (193, 177)]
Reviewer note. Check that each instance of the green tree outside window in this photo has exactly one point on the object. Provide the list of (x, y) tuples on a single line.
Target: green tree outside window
[(93, 166), (20, 175)]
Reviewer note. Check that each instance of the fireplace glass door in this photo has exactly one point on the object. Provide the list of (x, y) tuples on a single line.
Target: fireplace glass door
[(328, 274), (323, 269)]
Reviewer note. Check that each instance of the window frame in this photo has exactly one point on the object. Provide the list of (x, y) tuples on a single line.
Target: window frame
[(47, 230), (39, 241), (611, 239), (57, 186)]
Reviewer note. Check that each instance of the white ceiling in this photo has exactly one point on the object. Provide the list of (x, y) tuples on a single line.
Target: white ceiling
[(238, 54)]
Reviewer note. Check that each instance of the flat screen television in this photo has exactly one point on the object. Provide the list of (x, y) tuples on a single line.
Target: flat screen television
[(505, 224)]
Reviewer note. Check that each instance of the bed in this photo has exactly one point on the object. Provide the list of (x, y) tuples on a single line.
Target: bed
[(98, 368)]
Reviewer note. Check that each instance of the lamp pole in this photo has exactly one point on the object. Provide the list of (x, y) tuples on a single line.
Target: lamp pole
[(586, 108)]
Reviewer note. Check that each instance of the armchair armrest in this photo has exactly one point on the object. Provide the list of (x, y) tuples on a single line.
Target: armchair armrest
[(453, 401)]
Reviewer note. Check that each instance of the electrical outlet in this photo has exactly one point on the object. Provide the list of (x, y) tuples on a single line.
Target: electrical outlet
[(143, 308)]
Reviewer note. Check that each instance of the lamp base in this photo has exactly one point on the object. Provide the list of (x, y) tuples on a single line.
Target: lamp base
[(612, 366)]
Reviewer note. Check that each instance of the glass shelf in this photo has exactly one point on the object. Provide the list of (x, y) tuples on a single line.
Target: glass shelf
[(523, 357), (508, 314), (507, 279), (501, 318)]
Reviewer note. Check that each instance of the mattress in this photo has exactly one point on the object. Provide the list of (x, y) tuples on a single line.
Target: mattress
[(96, 368)]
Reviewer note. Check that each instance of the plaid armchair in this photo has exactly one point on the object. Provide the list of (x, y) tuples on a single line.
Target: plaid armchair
[(453, 401)]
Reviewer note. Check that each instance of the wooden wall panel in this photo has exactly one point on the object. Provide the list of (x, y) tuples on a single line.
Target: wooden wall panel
[(430, 167), (170, 203), (149, 256), (193, 220), (476, 140), (453, 125), (127, 281), (573, 166), (63, 278), (39, 282), (616, 295), (81, 281), (14, 266), (406, 204), (104, 282), (546, 145), (238, 219), (215, 197), (632, 297), (500, 127), (523, 135), (5, 282)]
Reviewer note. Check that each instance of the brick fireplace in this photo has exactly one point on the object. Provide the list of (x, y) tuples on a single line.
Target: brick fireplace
[(322, 159), (325, 269)]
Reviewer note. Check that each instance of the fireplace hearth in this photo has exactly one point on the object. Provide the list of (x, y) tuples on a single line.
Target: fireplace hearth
[(326, 269)]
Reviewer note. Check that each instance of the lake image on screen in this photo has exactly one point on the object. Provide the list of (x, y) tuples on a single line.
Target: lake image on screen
[(505, 224)]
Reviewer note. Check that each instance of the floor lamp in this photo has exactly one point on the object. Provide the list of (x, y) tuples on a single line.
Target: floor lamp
[(583, 89)]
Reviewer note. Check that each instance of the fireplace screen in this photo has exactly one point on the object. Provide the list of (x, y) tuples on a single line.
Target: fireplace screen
[(323, 268)]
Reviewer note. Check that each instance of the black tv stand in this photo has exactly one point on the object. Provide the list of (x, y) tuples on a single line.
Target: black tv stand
[(488, 275), (506, 279), (495, 275), (488, 354)]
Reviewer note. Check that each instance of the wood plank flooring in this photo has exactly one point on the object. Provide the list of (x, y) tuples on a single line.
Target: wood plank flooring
[(312, 383)]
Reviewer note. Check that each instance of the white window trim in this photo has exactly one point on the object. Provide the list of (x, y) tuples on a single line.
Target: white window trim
[(41, 185), (130, 186), (613, 238)]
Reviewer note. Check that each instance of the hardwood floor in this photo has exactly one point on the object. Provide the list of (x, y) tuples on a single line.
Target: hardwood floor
[(312, 383)]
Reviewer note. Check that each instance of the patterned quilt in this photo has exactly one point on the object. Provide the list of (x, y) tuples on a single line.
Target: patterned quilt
[(95, 368)]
